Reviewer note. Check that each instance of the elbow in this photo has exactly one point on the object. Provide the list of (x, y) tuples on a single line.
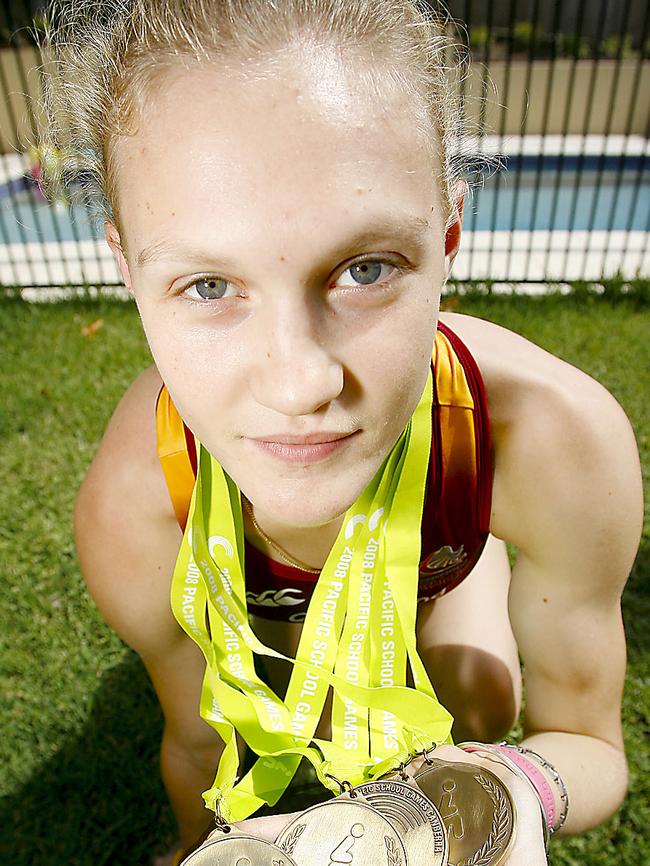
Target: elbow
[(619, 782), (613, 786)]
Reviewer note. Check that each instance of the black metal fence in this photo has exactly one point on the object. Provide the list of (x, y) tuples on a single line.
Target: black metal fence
[(558, 89)]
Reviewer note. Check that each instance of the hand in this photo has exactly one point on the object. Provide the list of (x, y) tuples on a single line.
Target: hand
[(528, 846), (268, 827)]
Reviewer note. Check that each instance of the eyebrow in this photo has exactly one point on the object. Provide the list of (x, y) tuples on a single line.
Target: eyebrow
[(405, 228)]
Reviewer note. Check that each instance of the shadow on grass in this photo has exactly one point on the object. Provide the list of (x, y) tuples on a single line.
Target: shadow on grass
[(636, 606), (99, 800)]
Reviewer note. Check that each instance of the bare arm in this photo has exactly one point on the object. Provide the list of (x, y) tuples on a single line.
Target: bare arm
[(127, 539), (568, 494)]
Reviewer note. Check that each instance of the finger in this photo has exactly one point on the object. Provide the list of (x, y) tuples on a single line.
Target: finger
[(442, 753), (267, 827)]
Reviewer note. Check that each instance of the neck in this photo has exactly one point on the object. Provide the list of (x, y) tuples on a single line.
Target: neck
[(310, 545)]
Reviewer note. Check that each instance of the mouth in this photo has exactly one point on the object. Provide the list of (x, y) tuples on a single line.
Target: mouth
[(303, 449)]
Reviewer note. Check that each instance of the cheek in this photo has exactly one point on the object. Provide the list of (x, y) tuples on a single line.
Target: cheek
[(176, 344), (166, 341), (394, 367), (402, 345), (199, 370)]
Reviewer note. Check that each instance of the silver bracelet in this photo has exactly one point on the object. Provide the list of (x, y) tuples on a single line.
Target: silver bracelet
[(553, 773)]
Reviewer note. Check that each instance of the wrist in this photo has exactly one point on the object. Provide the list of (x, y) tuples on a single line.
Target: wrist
[(551, 778), (542, 785), (542, 777)]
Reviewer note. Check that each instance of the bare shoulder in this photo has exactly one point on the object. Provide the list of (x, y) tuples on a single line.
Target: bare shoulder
[(566, 462), (126, 533), (513, 366)]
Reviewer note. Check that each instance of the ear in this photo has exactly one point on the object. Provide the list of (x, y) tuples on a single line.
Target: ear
[(453, 232), (113, 239)]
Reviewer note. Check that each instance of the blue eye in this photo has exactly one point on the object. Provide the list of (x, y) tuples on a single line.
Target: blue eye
[(208, 288), (365, 273)]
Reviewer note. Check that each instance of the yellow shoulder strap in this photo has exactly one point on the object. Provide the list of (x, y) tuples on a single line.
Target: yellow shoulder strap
[(174, 456), (451, 381)]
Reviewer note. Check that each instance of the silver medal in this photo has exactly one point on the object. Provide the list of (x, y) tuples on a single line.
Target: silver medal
[(413, 815), (343, 831), (238, 849)]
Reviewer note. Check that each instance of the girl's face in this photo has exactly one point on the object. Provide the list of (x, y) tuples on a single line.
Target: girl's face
[(284, 239)]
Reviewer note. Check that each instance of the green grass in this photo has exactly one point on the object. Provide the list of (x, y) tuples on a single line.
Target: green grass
[(80, 724)]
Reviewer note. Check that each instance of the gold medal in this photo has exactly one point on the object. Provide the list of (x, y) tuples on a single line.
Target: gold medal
[(237, 849), (476, 808), (414, 816), (343, 831)]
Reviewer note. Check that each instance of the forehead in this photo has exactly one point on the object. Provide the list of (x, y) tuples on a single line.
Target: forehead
[(285, 141)]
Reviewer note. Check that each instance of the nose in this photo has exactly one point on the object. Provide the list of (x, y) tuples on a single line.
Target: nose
[(295, 371)]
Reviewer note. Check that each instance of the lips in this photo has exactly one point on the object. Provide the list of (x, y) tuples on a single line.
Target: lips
[(303, 449), (304, 439)]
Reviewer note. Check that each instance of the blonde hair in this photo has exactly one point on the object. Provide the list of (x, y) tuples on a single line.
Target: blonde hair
[(103, 57)]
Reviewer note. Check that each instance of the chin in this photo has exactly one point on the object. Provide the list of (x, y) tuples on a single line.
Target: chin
[(305, 514), (303, 506), (306, 498)]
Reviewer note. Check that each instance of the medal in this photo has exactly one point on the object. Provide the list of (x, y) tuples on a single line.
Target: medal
[(343, 831), (233, 848), (414, 816), (476, 808)]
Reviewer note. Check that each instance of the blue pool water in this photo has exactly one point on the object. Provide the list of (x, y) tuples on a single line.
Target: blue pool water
[(560, 197), (562, 201)]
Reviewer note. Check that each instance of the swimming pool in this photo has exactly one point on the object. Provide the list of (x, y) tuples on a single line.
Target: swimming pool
[(564, 196)]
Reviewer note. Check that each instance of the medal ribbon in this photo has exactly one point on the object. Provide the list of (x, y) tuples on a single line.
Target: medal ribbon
[(358, 633)]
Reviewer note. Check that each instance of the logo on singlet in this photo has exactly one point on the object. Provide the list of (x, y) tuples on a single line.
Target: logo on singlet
[(443, 560), (276, 597)]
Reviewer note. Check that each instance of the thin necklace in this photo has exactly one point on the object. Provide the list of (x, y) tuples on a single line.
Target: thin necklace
[(283, 553)]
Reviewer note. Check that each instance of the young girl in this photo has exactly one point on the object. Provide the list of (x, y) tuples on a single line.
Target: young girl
[(280, 198)]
